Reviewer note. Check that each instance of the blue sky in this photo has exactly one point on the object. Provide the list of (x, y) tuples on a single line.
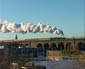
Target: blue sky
[(67, 15)]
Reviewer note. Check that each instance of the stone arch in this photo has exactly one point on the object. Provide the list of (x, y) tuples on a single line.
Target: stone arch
[(39, 45), (26, 44), (53, 46), (46, 46), (61, 46), (68, 46), (81, 46)]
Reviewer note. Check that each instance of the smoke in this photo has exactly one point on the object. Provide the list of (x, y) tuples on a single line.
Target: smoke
[(25, 28)]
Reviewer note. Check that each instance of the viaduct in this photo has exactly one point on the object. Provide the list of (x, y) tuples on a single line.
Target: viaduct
[(49, 43)]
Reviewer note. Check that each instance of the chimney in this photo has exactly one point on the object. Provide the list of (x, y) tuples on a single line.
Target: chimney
[(16, 37)]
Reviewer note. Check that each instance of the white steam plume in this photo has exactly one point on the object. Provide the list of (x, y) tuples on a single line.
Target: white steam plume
[(25, 28)]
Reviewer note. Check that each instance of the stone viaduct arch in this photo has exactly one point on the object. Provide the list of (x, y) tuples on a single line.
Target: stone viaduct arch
[(53, 46), (81, 46), (63, 44), (52, 43)]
